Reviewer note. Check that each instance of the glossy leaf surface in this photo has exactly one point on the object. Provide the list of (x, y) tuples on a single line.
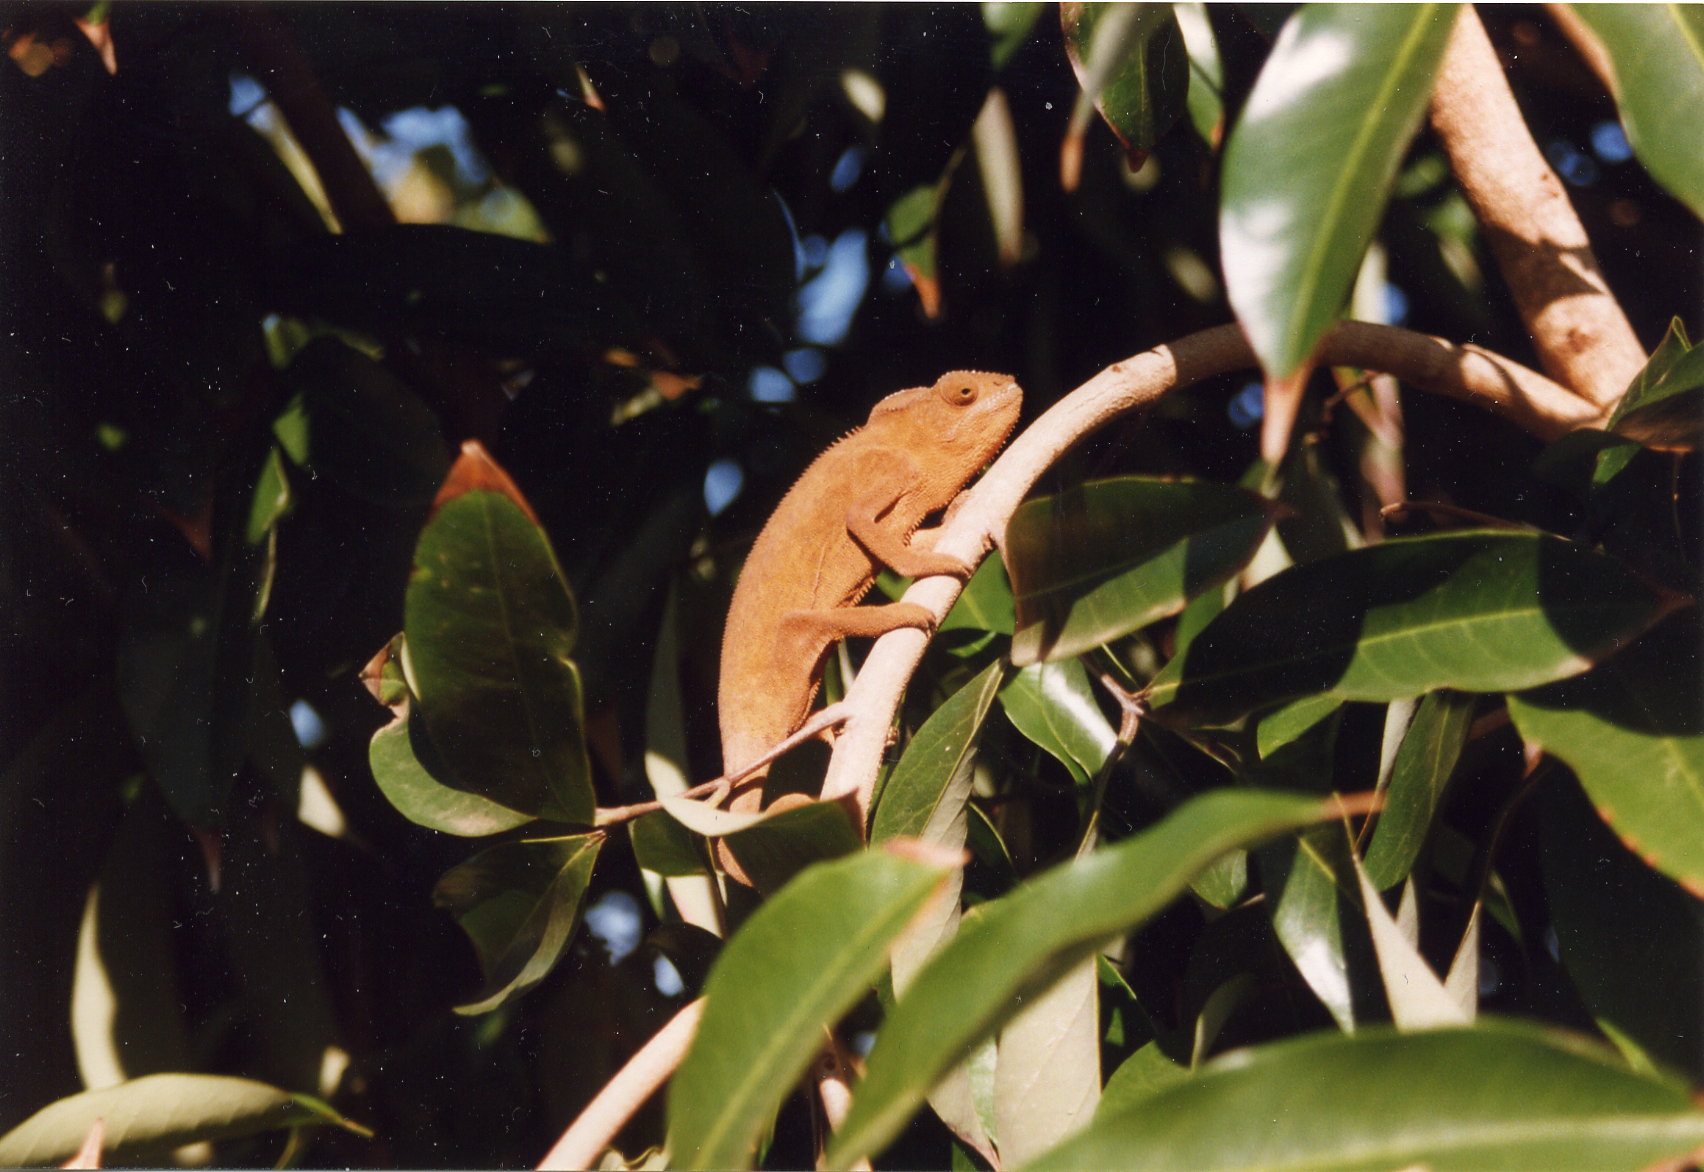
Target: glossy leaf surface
[(1311, 159), (490, 625), (1132, 67), (146, 1118), (795, 967), (519, 902), (1632, 729), (1664, 406), (1102, 560), (1657, 54), (1496, 1095), (1053, 704), (1478, 611), (1019, 944), (1423, 766)]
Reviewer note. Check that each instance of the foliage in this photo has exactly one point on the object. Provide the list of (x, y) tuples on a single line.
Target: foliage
[(1356, 788)]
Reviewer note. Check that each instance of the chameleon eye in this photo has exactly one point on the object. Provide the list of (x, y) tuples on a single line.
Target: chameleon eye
[(959, 394)]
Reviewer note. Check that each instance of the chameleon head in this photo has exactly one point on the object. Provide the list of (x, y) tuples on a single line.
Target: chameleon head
[(964, 417)]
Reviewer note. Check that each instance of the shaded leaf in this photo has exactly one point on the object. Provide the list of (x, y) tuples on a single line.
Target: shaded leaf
[(1496, 1095), (1109, 557), (931, 784), (1309, 883), (1632, 730), (146, 1118), (519, 902), (1311, 160), (911, 225), (1018, 945), (1663, 408), (1053, 704), (985, 603), (799, 963), (490, 625), (1656, 52), (794, 836), (1206, 98), (1009, 24), (414, 779), (1423, 766), (1481, 611), (1138, 1076), (1130, 62)]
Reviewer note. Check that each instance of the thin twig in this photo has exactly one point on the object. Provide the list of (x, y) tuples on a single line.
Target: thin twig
[(595, 1129)]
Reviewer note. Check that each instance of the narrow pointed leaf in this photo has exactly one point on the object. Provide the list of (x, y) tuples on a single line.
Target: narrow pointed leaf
[(1053, 704), (1664, 406), (1107, 558), (1418, 999), (1480, 611), (1424, 763), (490, 624), (146, 1118), (520, 904), (1016, 946), (930, 785), (1657, 54), (1132, 67), (1632, 730), (1496, 1095), (1310, 162), (790, 973)]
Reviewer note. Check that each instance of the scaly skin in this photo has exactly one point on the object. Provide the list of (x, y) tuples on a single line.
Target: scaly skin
[(856, 508)]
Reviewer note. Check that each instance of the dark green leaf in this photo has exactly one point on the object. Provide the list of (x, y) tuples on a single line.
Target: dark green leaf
[(1131, 64), (1016, 946), (788, 840), (1482, 611), (1632, 730), (1656, 52), (414, 779), (1138, 1076), (1664, 406), (1053, 704), (1423, 766), (931, 783), (1310, 884), (985, 604), (792, 971), (1010, 24), (146, 1118), (1310, 162), (519, 902), (663, 845), (1102, 560), (490, 624), (1497, 1095)]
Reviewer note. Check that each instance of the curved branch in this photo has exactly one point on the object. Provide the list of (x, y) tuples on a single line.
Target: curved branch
[(1578, 328), (588, 1136), (1461, 372)]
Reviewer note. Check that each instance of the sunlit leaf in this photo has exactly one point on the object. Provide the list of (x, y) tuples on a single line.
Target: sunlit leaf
[(1310, 162), (1496, 1095), (490, 625), (1424, 763), (1132, 67), (1053, 704), (1106, 558), (519, 902), (1632, 730), (1047, 1073), (1656, 52), (792, 971), (1020, 944), (146, 1118), (1480, 611), (1664, 406)]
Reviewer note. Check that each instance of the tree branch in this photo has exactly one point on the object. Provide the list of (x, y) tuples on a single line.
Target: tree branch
[(595, 1129), (1582, 336), (1461, 372)]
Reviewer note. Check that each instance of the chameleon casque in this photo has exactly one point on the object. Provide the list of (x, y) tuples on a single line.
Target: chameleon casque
[(856, 508)]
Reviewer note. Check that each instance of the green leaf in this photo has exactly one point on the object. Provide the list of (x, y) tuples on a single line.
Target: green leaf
[(911, 225), (786, 841), (792, 971), (1018, 945), (1287, 724), (1423, 766), (1496, 1095), (1138, 1076), (1047, 1073), (1310, 884), (146, 1118), (1481, 611), (415, 780), (930, 785), (1009, 25), (1130, 62), (490, 624), (1053, 704), (1631, 940), (519, 902), (663, 845), (985, 603), (1664, 406), (1310, 163), (1632, 730), (1109, 557), (1656, 52), (1206, 72)]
